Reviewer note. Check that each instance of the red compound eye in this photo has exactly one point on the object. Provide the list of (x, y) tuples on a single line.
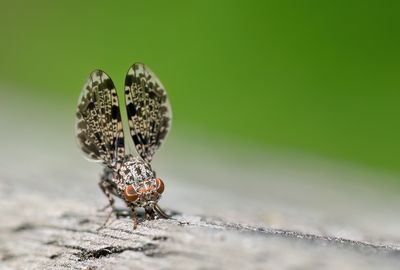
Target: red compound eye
[(160, 185), (130, 194)]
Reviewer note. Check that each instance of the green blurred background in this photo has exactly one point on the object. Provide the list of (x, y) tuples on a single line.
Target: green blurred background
[(320, 77)]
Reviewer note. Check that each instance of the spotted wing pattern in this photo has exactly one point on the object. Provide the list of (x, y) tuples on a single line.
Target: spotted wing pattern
[(98, 122), (148, 109)]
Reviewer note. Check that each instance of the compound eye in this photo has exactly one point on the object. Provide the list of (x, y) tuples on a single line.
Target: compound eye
[(160, 185), (130, 194)]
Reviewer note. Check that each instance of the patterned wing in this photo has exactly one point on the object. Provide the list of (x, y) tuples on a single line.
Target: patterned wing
[(148, 109), (98, 123)]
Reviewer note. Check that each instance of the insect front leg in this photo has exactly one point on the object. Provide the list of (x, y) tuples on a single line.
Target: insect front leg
[(150, 214), (160, 212), (134, 216)]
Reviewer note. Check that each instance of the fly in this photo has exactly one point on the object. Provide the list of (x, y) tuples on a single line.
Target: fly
[(100, 134)]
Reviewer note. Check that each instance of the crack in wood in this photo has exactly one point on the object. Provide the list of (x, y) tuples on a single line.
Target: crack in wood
[(394, 250), (83, 254), (148, 249)]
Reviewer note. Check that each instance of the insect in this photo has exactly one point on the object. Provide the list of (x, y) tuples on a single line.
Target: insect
[(100, 134)]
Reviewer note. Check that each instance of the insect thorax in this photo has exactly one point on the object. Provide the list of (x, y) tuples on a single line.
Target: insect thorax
[(135, 170)]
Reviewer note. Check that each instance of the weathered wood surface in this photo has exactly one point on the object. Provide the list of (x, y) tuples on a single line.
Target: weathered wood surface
[(232, 211), (45, 233), (49, 221)]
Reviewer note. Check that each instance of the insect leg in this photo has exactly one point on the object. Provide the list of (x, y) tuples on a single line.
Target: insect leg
[(150, 214), (134, 216), (106, 188), (160, 212)]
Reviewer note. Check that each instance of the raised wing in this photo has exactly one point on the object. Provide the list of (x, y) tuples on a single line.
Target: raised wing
[(148, 109), (98, 123)]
